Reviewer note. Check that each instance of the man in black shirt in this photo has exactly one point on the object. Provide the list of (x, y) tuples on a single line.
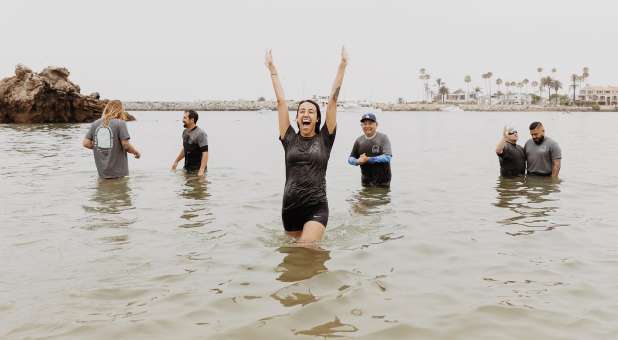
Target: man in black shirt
[(512, 157), (194, 145)]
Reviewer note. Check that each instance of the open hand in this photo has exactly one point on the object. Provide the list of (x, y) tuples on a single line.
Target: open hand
[(174, 166), (268, 61)]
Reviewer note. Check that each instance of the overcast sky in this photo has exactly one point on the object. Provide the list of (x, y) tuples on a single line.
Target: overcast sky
[(190, 50)]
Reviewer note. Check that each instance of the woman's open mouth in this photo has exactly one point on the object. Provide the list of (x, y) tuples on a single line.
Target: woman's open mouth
[(306, 121)]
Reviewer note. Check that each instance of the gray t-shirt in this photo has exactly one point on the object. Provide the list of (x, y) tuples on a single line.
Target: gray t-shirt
[(377, 174), (540, 157), (194, 143), (109, 155)]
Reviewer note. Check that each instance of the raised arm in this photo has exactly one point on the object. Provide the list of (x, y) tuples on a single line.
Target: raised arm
[(331, 110), (501, 143), (282, 105)]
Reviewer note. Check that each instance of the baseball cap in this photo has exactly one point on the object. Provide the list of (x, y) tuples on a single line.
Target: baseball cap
[(369, 116)]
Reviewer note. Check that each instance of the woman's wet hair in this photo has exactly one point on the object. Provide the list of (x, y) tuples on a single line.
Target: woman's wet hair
[(113, 110), (317, 110)]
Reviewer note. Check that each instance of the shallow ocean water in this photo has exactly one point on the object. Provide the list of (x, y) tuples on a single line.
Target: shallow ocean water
[(451, 251)]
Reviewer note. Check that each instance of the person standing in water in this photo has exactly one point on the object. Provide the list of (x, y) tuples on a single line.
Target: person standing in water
[(108, 138), (511, 156), (194, 145), (372, 151), (305, 206), (543, 154)]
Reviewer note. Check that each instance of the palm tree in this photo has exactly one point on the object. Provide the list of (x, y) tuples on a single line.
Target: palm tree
[(467, 79), (443, 92), (540, 71), (556, 85), (534, 84), (526, 82), (585, 75), (477, 91), (421, 76), (547, 82), (487, 76), (574, 79)]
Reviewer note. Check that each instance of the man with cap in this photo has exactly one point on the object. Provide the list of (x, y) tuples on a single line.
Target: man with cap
[(372, 151), (512, 157)]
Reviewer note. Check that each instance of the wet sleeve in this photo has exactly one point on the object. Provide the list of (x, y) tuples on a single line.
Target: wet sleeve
[(380, 159), (386, 147), (289, 134), (123, 131), (90, 133), (202, 141), (329, 139), (555, 151), (354, 153)]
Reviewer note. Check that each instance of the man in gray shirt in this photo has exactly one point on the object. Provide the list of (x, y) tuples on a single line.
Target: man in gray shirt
[(194, 145), (372, 151), (543, 154), (109, 141)]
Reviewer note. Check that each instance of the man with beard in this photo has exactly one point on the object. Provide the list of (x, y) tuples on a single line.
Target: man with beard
[(372, 151), (543, 154), (511, 156), (194, 145)]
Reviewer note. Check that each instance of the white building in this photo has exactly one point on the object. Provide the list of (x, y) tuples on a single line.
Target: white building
[(514, 99), (602, 95)]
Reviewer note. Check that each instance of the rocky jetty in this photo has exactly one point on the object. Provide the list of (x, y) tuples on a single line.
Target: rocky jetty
[(46, 97)]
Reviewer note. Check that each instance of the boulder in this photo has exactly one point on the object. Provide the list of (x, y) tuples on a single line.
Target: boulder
[(46, 97)]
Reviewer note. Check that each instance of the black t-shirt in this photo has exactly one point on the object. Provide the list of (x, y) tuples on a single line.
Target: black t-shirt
[(194, 142), (512, 161), (377, 174), (306, 160)]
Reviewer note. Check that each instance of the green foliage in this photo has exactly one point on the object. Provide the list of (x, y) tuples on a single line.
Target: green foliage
[(596, 107), (536, 99)]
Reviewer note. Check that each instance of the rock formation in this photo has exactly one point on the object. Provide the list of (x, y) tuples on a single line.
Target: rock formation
[(46, 97)]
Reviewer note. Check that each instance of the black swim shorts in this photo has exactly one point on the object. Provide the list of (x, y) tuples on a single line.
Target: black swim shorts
[(295, 219)]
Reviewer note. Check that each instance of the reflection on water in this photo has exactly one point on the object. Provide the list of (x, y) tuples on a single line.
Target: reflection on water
[(110, 200), (195, 192), (531, 200), (370, 200), (329, 329), (301, 263)]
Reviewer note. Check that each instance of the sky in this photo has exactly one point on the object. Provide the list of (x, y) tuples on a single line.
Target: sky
[(205, 50)]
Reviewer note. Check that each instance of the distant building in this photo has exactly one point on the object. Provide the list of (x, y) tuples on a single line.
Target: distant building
[(515, 99), (602, 95), (459, 97)]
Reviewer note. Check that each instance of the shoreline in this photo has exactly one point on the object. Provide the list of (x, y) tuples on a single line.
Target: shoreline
[(253, 105)]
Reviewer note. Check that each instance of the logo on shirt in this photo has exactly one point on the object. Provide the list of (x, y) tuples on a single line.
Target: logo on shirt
[(376, 149), (103, 138)]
